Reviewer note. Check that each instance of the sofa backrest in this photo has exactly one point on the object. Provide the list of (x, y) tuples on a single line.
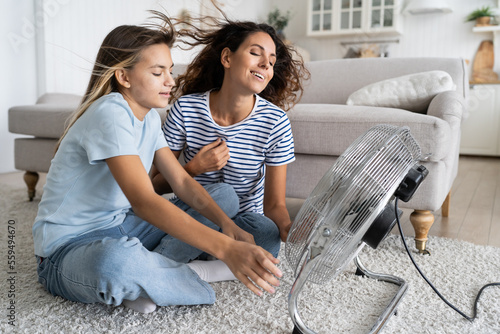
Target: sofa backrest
[(59, 98), (332, 81)]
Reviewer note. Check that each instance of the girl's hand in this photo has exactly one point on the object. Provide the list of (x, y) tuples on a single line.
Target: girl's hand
[(211, 157), (253, 266)]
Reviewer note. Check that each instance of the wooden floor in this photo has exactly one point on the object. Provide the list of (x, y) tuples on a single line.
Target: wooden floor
[(474, 210), (475, 204)]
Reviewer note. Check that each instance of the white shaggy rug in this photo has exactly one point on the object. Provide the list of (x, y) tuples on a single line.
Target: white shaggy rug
[(347, 304)]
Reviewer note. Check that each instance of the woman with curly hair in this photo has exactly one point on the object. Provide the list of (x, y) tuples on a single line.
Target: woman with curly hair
[(228, 121)]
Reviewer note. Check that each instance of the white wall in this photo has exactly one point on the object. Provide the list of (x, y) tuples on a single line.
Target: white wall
[(430, 35), (69, 32), (73, 37), (50, 45), (17, 56)]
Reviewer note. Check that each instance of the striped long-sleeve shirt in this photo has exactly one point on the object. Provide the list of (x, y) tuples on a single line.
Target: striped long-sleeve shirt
[(263, 138)]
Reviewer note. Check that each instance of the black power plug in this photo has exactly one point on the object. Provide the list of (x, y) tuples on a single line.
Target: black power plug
[(411, 182)]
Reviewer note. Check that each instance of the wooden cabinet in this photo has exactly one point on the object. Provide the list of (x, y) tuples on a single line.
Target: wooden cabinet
[(345, 17), (481, 130)]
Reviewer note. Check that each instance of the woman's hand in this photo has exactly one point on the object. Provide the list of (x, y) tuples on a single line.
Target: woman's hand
[(211, 157), (253, 266), (235, 232), (284, 230)]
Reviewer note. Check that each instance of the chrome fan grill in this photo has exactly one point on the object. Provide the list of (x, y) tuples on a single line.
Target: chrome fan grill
[(348, 198)]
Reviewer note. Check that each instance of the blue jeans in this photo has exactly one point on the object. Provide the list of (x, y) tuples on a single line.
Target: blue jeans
[(110, 265), (265, 232)]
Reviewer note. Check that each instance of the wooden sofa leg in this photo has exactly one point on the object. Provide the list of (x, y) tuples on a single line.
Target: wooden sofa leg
[(31, 179), (422, 221), (445, 208)]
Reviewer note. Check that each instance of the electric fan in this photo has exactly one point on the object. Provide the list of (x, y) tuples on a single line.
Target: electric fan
[(351, 207)]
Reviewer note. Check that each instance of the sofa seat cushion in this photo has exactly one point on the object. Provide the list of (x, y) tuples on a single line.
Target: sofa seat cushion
[(332, 128)]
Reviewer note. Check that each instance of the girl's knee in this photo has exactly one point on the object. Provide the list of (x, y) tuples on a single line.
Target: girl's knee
[(97, 271), (117, 256)]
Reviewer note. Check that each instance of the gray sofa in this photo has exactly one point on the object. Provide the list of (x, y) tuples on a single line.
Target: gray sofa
[(323, 127)]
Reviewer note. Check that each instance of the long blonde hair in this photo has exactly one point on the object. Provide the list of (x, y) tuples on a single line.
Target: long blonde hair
[(121, 49)]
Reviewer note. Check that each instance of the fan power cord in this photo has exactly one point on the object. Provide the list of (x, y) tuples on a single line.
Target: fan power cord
[(471, 319)]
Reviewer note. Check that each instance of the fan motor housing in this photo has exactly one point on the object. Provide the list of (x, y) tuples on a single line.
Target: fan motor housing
[(381, 226)]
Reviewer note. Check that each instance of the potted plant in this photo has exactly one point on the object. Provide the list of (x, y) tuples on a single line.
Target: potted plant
[(278, 21), (482, 16)]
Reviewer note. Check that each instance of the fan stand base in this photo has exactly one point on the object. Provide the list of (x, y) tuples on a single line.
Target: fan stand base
[(301, 328), (391, 308), (359, 272)]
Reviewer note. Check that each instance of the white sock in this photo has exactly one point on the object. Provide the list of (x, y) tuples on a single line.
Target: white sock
[(143, 305), (212, 271)]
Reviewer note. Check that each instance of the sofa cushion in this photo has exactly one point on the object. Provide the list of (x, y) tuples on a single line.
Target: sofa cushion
[(333, 80), (410, 92), (332, 128)]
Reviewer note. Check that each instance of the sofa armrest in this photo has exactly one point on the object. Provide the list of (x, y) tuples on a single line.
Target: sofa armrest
[(449, 106), (40, 120)]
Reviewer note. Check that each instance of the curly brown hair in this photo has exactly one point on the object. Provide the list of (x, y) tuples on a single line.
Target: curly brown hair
[(206, 71)]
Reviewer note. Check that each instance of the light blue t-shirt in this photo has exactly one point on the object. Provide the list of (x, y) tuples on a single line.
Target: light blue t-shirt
[(80, 194)]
